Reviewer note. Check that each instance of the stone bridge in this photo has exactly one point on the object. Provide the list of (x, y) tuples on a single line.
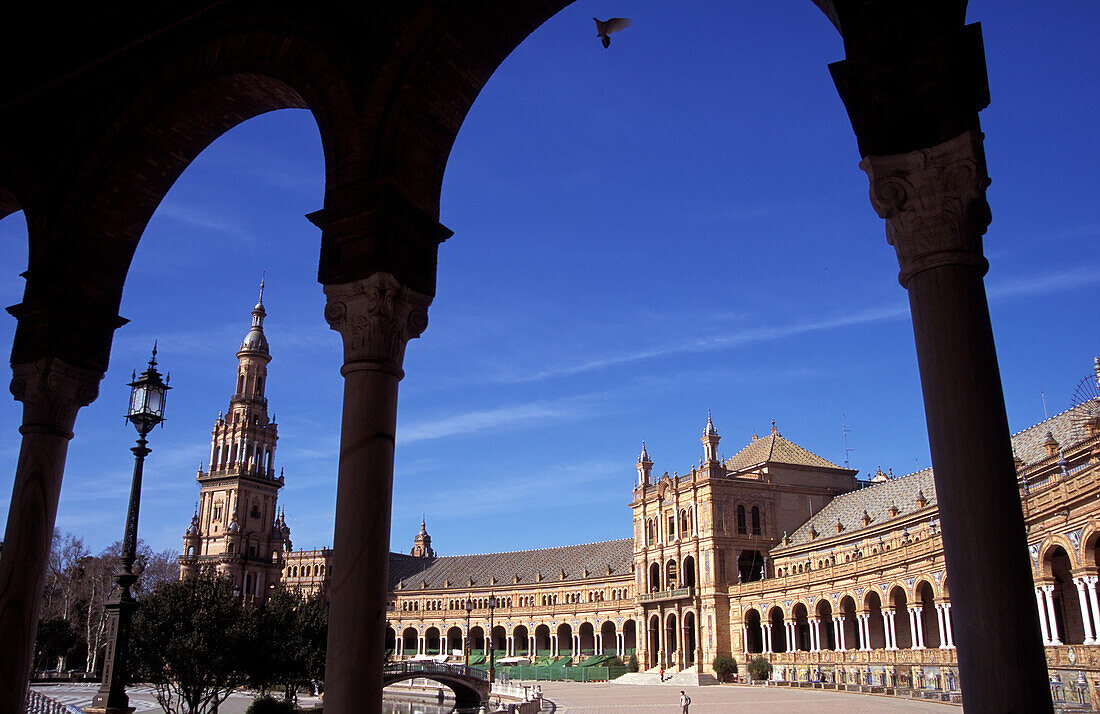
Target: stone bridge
[(470, 685)]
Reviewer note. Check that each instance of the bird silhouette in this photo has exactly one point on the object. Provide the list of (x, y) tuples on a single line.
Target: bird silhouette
[(605, 27)]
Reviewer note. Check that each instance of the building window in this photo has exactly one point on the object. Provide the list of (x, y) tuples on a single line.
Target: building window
[(671, 527), (755, 520), (741, 528)]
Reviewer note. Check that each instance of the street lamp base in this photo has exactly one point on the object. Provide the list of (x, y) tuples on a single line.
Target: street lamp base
[(108, 710)]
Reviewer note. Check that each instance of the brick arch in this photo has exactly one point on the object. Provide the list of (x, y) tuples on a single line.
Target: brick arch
[(804, 603), (9, 204), (875, 590), (751, 608), (930, 581), (898, 584), (1090, 537), (1052, 541)]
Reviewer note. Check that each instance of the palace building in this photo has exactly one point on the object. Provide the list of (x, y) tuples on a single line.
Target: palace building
[(774, 551)]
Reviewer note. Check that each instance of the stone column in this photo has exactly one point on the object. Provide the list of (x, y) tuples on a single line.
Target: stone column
[(815, 635), (888, 629), (376, 317), (1040, 600), (918, 627), (766, 629), (745, 638), (1094, 608), (52, 392), (838, 634), (1083, 603), (933, 200), (1052, 623), (948, 629)]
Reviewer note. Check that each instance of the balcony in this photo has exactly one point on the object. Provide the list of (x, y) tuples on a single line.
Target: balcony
[(663, 595)]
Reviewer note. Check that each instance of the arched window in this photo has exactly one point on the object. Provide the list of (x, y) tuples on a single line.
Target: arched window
[(741, 520), (755, 520), (259, 386), (240, 384), (685, 523)]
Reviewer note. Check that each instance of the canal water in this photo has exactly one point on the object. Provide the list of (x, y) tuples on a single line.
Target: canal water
[(408, 707)]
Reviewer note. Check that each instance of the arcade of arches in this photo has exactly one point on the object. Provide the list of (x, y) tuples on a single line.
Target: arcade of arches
[(389, 84)]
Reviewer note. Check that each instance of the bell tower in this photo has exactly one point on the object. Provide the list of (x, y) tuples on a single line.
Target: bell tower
[(237, 528), (422, 544)]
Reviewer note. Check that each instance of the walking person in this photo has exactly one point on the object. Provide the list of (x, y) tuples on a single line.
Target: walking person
[(685, 702), (662, 673)]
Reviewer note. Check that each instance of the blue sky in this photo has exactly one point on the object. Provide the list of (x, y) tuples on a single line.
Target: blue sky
[(641, 233)]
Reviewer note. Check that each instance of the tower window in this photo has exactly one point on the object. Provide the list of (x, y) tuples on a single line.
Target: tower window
[(755, 520), (741, 528)]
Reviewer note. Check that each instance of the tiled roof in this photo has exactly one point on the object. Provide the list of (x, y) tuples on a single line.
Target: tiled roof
[(774, 449), (876, 499), (457, 570), (1068, 428)]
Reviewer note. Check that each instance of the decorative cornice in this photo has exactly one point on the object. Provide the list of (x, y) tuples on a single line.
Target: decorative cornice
[(376, 316), (934, 204), (52, 391)]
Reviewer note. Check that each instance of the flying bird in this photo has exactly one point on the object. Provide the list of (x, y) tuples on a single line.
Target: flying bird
[(605, 27)]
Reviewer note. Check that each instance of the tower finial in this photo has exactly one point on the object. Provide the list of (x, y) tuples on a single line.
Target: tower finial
[(153, 358), (263, 275)]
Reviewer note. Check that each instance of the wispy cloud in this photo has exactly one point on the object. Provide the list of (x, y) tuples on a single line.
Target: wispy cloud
[(1044, 283), (472, 422), (205, 220)]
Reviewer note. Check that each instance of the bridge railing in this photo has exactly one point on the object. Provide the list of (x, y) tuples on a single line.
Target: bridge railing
[(427, 667), (38, 703)]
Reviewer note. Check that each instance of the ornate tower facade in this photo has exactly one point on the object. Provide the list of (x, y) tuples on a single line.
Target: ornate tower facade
[(422, 544), (237, 528)]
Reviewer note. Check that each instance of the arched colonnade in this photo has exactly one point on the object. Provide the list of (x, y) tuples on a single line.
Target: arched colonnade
[(389, 84), (889, 617), (616, 637)]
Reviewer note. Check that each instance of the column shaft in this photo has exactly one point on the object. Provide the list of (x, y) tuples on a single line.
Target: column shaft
[(52, 392), (1052, 622), (375, 317), (1082, 602), (934, 204)]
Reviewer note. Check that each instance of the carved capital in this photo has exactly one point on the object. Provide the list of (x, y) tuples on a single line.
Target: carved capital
[(52, 391), (934, 204), (376, 316)]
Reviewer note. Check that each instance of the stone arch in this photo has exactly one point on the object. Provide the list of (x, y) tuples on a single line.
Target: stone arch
[(609, 638), (800, 619), (433, 641), (690, 636), (586, 638), (778, 630), (565, 639), (542, 640), (1090, 542), (391, 640), (823, 611), (876, 628), (654, 577), (1048, 546), (848, 611), (410, 641), (1068, 610), (671, 573), (898, 599), (630, 637), (924, 595), (453, 639), (654, 638), (521, 641), (754, 632), (687, 577)]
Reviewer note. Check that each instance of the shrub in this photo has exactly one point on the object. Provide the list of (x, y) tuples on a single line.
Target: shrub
[(724, 666), (632, 663), (759, 668), (268, 705)]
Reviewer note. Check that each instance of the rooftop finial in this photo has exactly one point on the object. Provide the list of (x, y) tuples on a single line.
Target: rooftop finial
[(153, 359), (774, 429), (709, 430), (263, 275), (643, 458)]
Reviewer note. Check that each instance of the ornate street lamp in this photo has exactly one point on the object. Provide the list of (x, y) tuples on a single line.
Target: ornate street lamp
[(469, 608), (492, 660), (147, 394)]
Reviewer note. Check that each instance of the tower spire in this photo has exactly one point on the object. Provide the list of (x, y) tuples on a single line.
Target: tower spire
[(710, 442), (644, 466)]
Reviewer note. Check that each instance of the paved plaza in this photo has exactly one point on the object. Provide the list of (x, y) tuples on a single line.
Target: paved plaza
[(593, 698), (600, 698)]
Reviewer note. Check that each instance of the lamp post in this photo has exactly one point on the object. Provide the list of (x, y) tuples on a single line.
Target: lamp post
[(469, 608), (147, 394), (492, 660)]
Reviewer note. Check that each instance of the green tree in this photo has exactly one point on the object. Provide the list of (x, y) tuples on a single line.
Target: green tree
[(724, 666), (759, 668), (289, 651), (56, 639), (189, 642)]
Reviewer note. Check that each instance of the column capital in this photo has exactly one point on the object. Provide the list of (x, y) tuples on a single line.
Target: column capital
[(376, 316), (933, 201), (52, 391)]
